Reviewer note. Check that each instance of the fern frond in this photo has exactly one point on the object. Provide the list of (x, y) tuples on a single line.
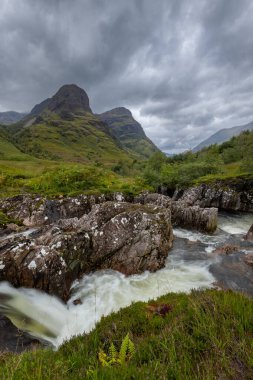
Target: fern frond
[(123, 349), (103, 358), (113, 352), (131, 348)]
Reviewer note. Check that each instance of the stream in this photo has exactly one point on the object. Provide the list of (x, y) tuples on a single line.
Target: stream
[(191, 264)]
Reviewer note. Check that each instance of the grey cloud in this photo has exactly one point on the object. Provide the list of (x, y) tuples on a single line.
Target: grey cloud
[(183, 67)]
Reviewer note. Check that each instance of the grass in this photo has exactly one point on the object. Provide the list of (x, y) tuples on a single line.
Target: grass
[(206, 335), (53, 178)]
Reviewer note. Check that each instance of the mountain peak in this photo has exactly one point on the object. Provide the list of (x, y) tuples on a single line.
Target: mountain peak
[(69, 98), (118, 111)]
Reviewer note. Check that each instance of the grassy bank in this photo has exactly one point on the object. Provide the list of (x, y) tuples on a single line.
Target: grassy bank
[(205, 335)]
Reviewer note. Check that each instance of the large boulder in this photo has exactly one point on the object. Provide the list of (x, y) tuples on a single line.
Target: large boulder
[(130, 238)]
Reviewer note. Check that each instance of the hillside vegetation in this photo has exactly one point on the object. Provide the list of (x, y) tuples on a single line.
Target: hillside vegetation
[(61, 147), (204, 335), (231, 160)]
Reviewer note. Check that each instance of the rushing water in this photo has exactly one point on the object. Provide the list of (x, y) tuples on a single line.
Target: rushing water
[(103, 292)]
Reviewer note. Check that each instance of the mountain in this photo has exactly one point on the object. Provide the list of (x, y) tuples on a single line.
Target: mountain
[(223, 135), (10, 117), (128, 131), (68, 99), (63, 127)]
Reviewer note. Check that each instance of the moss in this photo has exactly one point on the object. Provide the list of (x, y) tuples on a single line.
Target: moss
[(5, 219)]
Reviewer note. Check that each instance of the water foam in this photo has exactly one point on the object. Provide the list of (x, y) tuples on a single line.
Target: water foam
[(101, 293)]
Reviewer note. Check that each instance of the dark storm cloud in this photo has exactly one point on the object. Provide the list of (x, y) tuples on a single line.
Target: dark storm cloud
[(183, 67)]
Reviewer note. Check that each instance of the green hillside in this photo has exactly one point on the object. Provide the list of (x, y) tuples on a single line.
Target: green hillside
[(129, 132), (8, 151), (61, 147), (231, 160), (82, 138)]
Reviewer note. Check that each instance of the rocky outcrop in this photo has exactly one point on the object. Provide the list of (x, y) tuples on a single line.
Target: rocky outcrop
[(128, 131), (232, 197), (194, 217), (130, 238), (38, 211), (183, 215), (249, 235)]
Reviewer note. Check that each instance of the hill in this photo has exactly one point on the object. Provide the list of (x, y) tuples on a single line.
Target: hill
[(129, 132), (10, 117), (223, 135)]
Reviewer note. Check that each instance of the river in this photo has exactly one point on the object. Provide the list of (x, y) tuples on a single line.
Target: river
[(191, 264)]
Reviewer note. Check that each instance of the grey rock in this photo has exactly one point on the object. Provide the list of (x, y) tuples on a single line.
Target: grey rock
[(130, 238)]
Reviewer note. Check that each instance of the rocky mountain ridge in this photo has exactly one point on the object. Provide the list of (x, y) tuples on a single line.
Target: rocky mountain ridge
[(128, 131)]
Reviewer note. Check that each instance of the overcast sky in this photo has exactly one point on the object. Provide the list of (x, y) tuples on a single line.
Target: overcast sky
[(183, 67)]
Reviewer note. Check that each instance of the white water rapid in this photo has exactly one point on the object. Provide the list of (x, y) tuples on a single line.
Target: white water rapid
[(103, 292)]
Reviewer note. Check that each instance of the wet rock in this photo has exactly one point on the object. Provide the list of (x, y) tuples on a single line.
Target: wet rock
[(14, 340), (130, 238), (231, 197), (232, 272), (194, 217), (227, 249), (249, 236), (248, 259)]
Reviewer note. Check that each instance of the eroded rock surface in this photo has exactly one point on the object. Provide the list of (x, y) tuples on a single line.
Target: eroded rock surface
[(231, 198), (37, 210), (130, 238), (183, 214)]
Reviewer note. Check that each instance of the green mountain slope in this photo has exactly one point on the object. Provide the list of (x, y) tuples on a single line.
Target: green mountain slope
[(60, 147), (64, 128), (8, 151), (129, 132), (10, 117)]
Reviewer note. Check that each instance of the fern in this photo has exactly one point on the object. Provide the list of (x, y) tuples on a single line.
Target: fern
[(126, 352), (113, 352)]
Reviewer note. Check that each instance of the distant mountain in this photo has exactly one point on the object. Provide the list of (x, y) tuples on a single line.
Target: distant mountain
[(68, 99), (223, 135), (128, 131), (63, 127), (10, 117)]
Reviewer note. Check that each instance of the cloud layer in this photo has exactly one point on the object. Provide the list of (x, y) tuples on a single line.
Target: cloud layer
[(184, 67)]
